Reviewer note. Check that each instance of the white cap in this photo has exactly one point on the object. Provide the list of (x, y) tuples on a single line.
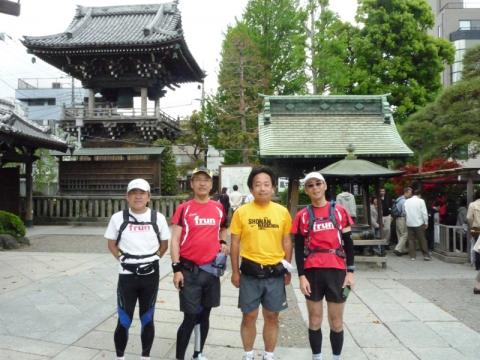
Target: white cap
[(314, 175), (138, 184)]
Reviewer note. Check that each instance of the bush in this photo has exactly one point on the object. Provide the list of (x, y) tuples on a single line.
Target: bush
[(11, 224)]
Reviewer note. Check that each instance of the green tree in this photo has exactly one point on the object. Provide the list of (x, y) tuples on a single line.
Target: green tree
[(330, 49), (471, 63), (195, 133), (168, 174), (450, 123), (277, 29), (232, 112), (44, 170), (395, 55)]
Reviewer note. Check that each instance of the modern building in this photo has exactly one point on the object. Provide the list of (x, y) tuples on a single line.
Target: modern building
[(45, 99), (458, 22)]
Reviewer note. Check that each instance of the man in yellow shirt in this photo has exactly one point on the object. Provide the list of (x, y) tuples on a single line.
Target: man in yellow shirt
[(260, 236)]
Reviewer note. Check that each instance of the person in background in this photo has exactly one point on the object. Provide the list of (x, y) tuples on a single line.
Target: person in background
[(473, 220), (347, 200), (198, 240), (235, 198), (224, 199), (137, 238), (325, 262), (417, 223), (374, 217), (260, 235), (386, 214), (401, 222)]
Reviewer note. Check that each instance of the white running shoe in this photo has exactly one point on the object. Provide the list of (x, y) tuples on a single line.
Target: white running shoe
[(268, 357), (200, 357), (248, 356)]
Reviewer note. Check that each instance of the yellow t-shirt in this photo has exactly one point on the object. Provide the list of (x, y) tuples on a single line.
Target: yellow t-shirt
[(261, 230)]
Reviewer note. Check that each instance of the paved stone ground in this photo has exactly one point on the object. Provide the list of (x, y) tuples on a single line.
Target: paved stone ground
[(452, 295), (63, 243)]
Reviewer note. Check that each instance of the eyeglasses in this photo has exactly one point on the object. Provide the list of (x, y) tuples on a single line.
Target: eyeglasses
[(311, 185)]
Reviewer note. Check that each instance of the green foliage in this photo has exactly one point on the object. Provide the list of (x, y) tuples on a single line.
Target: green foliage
[(303, 198), (276, 27), (394, 54), (330, 50), (11, 224), (450, 124), (232, 113), (471, 63), (168, 168), (195, 133), (44, 170)]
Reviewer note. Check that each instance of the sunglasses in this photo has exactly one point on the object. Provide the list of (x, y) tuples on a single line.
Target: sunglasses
[(318, 183)]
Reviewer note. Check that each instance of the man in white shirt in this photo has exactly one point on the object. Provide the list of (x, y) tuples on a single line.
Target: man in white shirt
[(417, 223), (235, 198)]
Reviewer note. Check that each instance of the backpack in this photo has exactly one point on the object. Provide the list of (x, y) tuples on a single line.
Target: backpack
[(396, 211), (311, 221), (126, 221)]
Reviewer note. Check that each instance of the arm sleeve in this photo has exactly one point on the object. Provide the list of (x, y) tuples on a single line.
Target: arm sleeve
[(348, 247), (299, 259)]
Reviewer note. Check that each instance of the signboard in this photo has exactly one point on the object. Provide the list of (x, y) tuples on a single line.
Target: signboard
[(235, 175)]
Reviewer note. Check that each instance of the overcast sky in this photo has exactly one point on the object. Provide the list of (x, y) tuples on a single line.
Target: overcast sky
[(204, 23)]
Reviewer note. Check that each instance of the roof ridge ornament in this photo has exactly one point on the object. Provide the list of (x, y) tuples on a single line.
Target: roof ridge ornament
[(73, 28), (350, 152)]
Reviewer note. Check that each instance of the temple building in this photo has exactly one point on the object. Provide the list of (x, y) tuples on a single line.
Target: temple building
[(118, 53)]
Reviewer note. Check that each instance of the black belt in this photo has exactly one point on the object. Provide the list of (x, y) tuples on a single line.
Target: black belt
[(130, 256), (338, 251)]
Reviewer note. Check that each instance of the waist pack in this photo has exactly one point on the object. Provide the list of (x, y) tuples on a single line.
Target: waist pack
[(141, 268), (216, 267), (251, 268)]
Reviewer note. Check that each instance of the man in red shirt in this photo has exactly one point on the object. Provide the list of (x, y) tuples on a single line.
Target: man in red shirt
[(325, 262), (198, 240)]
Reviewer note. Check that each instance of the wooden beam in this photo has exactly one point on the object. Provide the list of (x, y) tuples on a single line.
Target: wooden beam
[(10, 7)]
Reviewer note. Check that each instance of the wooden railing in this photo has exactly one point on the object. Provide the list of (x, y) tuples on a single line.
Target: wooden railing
[(452, 244), (96, 208)]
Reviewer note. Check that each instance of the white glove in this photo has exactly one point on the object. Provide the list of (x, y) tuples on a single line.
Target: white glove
[(287, 265)]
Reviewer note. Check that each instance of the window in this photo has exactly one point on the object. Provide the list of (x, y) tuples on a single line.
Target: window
[(40, 101)]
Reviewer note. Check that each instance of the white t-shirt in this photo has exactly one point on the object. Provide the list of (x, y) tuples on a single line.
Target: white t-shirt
[(137, 239)]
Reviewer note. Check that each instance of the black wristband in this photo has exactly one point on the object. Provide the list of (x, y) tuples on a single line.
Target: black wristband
[(223, 242), (176, 267)]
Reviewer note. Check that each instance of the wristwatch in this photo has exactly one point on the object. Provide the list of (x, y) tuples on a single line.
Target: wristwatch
[(176, 267)]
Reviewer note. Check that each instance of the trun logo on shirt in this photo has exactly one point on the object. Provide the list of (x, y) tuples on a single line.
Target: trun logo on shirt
[(323, 226), (203, 221), (263, 223), (138, 228)]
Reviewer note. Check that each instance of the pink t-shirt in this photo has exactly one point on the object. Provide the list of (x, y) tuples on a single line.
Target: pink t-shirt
[(201, 223)]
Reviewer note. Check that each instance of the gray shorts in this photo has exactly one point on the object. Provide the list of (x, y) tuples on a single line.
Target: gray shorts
[(269, 292)]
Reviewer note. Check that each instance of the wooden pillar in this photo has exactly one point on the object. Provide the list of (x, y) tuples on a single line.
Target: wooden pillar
[(292, 195), (366, 202), (379, 207), (143, 95), (469, 189), (91, 102), (28, 193), (157, 106)]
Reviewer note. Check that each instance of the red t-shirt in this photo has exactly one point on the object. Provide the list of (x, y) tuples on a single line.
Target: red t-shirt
[(324, 235), (201, 223)]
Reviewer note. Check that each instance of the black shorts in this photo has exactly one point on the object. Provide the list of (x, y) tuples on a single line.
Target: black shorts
[(200, 290), (325, 282)]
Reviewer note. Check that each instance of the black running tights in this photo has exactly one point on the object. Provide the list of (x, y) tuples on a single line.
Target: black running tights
[(185, 330), (130, 288)]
